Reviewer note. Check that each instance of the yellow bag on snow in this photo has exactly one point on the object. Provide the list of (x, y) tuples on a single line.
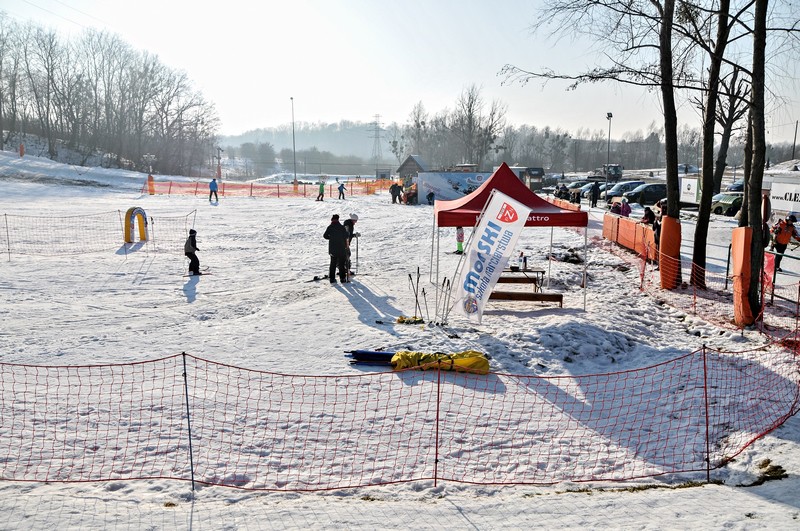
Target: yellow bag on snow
[(467, 361)]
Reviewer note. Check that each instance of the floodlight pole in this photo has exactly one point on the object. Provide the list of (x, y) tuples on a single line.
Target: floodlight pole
[(294, 150), (608, 153)]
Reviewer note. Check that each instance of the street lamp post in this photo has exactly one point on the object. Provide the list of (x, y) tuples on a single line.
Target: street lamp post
[(608, 152), (294, 150)]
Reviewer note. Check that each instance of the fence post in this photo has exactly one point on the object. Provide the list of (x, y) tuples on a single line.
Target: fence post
[(705, 398), (8, 236), (796, 312), (438, 404), (188, 418)]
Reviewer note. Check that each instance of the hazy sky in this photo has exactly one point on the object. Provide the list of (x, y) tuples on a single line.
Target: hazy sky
[(355, 59)]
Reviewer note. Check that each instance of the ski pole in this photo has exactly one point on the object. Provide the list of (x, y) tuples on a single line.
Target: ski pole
[(416, 303), (427, 312), (445, 308), (416, 296), (357, 238)]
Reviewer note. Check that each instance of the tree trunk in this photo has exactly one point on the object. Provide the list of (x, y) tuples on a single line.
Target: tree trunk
[(670, 114), (709, 121), (759, 151)]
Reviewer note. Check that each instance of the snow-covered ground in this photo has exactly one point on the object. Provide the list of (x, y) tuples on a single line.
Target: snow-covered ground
[(259, 311)]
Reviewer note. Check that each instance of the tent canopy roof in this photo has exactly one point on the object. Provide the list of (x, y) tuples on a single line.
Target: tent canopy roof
[(464, 212)]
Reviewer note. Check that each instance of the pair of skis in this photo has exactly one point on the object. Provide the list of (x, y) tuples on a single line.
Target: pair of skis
[(206, 271)]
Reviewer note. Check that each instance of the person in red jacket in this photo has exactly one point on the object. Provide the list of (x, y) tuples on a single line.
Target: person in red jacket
[(784, 231)]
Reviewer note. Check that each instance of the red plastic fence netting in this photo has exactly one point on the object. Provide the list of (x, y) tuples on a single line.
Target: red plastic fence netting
[(708, 293), (234, 189), (59, 234), (230, 426)]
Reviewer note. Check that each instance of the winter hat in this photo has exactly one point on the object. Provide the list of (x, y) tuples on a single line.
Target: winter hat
[(192, 231), (354, 217), (792, 218), (335, 217)]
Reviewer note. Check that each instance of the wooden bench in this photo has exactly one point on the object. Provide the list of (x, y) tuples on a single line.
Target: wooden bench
[(523, 276), (528, 296)]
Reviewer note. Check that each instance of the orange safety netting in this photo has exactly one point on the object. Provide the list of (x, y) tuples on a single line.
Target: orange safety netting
[(235, 189), (186, 418)]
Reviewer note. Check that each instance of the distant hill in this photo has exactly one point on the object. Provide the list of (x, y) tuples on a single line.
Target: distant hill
[(342, 139)]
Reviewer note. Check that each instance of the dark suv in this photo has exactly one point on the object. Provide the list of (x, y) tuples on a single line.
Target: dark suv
[(620, 188), (646, 194)]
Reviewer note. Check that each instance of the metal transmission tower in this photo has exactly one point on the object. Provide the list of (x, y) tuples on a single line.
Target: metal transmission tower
[(377, 153)]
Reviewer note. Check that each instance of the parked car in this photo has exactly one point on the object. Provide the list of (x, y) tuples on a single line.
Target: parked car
[(585, 189), (727, 204), (620, 188), (736, 186), (646, 194), (576, 184)]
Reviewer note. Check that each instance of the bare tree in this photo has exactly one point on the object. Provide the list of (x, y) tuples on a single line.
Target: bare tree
[(418, 129), (397, 142), (731, 108), (475, 130), (41, 54)]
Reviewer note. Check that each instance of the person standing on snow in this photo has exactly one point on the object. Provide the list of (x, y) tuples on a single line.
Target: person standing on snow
[(321, 195), (212, 190), (189, 249), (459, 240), (341, 190), (350, 225), (595, 193), (784, 231), (336, 235)]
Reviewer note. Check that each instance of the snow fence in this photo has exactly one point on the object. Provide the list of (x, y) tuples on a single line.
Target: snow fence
[(186, 418)]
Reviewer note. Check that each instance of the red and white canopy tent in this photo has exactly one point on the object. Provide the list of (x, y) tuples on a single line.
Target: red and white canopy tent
[(465, 211)]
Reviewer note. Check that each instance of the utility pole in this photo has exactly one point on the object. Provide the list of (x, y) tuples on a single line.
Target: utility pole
[(609, 116), (294, 150), (794, 143), (377, 153)]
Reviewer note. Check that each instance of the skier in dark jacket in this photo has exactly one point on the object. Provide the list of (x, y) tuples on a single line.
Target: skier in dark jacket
[(336, 235), (189, 249)]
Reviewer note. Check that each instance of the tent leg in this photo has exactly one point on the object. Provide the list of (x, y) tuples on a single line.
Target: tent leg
[(438, 294), (550, 258), (433, 235)]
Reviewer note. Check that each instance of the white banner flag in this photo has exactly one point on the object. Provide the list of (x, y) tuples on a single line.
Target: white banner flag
[(490, 248)]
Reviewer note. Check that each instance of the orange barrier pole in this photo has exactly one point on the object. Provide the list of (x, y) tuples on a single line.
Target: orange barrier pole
[(21, 150), (151, 185), (740, 258), (670, 247)]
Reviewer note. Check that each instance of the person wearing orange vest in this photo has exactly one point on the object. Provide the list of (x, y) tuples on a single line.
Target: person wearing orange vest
[(784, 231)]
